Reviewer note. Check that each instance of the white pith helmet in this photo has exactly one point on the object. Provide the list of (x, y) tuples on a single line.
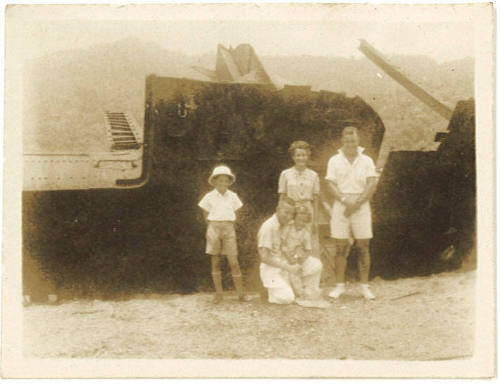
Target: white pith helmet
[(221, 170)]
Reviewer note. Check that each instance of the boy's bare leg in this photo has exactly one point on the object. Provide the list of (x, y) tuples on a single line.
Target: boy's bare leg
[(217, 278), (237, 277)]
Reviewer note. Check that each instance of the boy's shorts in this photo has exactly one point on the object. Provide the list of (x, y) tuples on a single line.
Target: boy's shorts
[(360, 222), (221, 238)]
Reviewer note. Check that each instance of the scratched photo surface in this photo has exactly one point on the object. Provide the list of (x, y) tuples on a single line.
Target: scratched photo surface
[(125, 126)]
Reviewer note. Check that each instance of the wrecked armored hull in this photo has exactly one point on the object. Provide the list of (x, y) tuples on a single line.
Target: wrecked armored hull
[(127, 220), (112, 241), (425, 204)]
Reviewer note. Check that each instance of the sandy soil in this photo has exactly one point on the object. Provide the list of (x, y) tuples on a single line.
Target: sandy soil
[(429, 318)]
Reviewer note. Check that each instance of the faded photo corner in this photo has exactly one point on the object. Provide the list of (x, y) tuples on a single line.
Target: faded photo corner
[(204, 187)]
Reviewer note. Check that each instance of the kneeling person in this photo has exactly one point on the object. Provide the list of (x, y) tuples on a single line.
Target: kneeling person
[(275, 269)]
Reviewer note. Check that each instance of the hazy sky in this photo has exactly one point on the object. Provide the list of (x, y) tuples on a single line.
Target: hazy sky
[(441, 41)]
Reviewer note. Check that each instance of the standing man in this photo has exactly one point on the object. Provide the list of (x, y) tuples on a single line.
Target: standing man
[(275, 270), (351, 178)]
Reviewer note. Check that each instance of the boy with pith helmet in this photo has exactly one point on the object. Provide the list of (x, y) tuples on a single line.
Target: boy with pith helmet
[(219, 208)]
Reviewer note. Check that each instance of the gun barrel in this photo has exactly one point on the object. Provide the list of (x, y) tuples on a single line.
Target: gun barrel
[(417, 91)]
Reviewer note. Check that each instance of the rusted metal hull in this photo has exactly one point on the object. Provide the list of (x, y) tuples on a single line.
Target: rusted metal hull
[(425, 203), (100, 242), (96, 242), (125, 165)]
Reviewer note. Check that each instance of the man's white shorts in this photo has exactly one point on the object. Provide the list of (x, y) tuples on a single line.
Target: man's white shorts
[(357, 226)]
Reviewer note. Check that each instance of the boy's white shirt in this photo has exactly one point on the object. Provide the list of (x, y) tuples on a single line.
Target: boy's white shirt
[(221, 207)]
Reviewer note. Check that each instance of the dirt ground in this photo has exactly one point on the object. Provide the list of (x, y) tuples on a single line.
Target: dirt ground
[(425, 318)]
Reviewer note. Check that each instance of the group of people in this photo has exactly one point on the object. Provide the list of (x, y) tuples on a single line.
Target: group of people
[(288, 269)]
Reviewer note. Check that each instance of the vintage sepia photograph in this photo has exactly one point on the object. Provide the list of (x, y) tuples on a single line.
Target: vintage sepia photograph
[(286, 190)]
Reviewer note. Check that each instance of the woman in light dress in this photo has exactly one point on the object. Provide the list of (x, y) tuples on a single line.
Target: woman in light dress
[(299, 183)]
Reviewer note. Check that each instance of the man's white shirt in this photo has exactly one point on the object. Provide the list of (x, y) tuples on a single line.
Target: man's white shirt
[(349, 177)]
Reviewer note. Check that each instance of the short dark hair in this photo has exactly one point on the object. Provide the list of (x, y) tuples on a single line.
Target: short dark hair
[(299, 145), (350, 130)]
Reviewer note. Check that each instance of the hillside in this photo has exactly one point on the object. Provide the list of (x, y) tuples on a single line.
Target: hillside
[(410, 125), (67, 92)]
